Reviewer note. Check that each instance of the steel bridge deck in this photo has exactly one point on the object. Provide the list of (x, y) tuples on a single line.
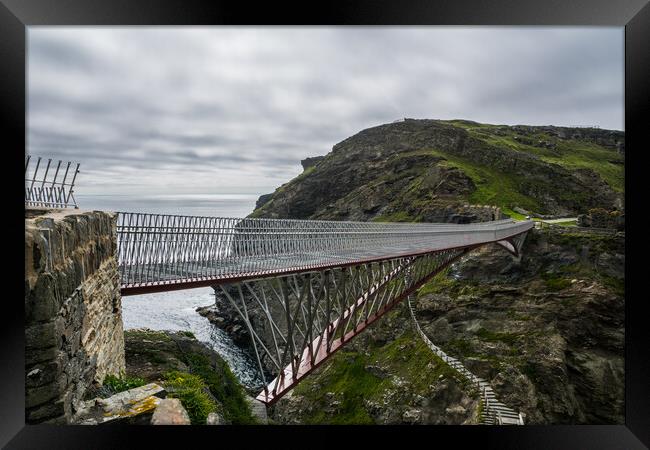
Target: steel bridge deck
[(159, 253)]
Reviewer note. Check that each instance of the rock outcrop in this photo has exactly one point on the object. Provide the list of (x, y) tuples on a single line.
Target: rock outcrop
[(170, 411), (546, 332)]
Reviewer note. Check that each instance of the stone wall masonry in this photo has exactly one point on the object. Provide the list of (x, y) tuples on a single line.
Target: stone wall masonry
[(73, 309)]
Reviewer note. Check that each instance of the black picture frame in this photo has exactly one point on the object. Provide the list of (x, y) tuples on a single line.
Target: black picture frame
[(634, 15)]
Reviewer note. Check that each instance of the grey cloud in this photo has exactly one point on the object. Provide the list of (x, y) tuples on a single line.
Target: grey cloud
[(226, 109)]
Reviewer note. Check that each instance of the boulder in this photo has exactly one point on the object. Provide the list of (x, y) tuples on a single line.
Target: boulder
[(215, 419), (123, 406), (311, 162), (170, 411)]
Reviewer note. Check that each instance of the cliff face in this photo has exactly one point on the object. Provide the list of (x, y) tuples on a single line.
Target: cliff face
[(429, 170), (546, 331)]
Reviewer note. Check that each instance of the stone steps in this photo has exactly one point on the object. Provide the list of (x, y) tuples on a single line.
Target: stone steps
[(493, 408), (258, 409)]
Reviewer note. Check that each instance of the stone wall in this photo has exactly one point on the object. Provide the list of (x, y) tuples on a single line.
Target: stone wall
[(73, 309)]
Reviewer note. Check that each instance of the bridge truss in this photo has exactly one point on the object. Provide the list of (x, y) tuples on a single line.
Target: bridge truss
[(303, 288)]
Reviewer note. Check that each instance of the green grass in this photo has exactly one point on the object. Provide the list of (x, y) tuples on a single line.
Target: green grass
[(467, 124), (570, 154), (568, 223), (224, 387), (141, 335), (512, 214), (191, 390), (585, 155), (438, 284), (394, 217), (596, 243), (461, 347), (496, 336), (122, 383), (616, 284), (554, 282), (351, 384), (493, 187)]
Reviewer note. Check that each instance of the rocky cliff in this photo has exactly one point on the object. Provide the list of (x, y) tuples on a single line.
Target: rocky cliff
[(432, 170), (546, 331)]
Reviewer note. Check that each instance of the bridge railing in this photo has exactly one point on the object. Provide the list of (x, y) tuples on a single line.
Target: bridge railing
[(160, 247), (50, 185)]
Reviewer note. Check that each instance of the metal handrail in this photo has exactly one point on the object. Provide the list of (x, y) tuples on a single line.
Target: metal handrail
[(154, 248)]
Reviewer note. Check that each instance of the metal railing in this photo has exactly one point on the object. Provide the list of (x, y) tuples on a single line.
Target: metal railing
[(155, 248), (43, 186)]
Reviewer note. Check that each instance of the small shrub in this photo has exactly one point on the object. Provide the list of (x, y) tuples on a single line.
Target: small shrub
[(462, 347), (556, 282), (113, 384), (191, 390), (530, 371), (224, 387), (494, 336)]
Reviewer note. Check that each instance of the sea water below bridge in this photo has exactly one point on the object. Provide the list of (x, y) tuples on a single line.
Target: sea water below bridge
[(176, 310)]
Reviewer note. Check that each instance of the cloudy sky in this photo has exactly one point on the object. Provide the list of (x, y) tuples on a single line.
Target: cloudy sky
[(230, 110)]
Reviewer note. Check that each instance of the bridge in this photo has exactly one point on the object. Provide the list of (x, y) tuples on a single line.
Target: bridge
[(303, 288)]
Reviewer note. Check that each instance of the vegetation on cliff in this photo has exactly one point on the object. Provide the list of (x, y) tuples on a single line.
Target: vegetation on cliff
[(189, 370), (429, 170), (382, 380), (546, 332)]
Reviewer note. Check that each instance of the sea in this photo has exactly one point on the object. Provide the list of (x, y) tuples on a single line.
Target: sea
[(176, 310)]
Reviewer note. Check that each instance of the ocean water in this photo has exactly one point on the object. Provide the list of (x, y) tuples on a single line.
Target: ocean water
[(216, 205), (176, 310)]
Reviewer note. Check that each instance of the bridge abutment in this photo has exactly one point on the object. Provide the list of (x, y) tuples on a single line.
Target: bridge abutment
[(73, 309)]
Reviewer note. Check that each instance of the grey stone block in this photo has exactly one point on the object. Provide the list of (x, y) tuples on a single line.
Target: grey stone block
[(170, 411), (41, 335), (39, 395), (45, 412)]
